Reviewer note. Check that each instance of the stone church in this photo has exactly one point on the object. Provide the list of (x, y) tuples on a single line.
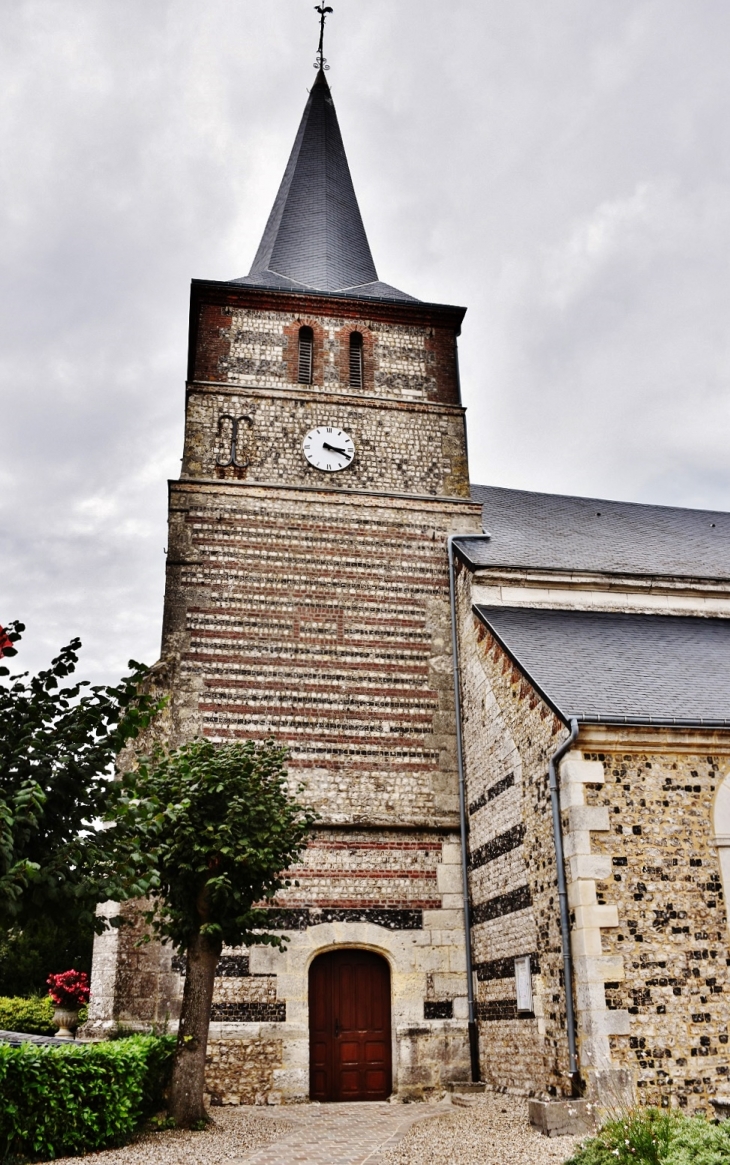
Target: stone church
[(511, 710)]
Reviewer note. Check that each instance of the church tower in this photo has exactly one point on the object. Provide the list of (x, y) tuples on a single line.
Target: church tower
[(307, 600)]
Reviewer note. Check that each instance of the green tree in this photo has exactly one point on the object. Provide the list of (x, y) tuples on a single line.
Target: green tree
[(57, 747), (41, 948), (205, 834)]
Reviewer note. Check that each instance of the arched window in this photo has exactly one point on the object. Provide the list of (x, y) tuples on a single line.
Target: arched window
[(306, 353), (355, 360)]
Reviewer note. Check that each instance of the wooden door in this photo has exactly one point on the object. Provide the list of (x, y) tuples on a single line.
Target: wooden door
[(349, 1027)]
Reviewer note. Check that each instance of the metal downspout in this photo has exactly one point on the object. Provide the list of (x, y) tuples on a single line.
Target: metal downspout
[(563, 900), (473, 1030)]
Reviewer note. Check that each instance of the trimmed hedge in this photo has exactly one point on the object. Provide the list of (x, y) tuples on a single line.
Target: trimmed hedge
[(650, 1136), (57, 1101), (33, 1016)]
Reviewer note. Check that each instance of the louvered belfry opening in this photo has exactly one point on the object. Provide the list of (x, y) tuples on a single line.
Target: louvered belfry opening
[(355, 360), (306, 354)]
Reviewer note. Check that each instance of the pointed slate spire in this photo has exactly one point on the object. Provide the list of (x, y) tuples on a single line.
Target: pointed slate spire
[(315, 238)]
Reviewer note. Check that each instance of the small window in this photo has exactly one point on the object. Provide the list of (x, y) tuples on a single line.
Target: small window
[(355, 360), (523, 983), (306, 351)]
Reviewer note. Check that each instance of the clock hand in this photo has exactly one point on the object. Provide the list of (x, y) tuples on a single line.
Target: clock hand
[(334, 449)]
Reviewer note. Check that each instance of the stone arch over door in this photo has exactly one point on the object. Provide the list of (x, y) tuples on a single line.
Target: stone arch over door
[(721, 838), (350, 1055)]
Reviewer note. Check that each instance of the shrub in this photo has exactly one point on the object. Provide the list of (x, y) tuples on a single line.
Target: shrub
[(63, 1100), (34, 1016), (649, 1136), (697, 1142)]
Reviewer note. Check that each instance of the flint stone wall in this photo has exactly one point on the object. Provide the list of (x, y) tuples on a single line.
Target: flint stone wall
[(665, 883), (403, 448), (650, 938), (509, 735), (406, 361), (324, 623), (313, 609)]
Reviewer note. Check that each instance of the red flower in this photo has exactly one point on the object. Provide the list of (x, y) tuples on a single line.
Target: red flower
[(5, 642), (70, 989)]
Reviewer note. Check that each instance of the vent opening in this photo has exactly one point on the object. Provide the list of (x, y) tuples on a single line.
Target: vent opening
[(306, 355), (355, 360)]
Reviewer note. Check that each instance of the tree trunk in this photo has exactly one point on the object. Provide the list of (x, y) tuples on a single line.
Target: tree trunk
[(188, 1073)]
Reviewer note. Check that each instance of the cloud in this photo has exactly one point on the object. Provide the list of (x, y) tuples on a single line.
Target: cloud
[(560, 169)]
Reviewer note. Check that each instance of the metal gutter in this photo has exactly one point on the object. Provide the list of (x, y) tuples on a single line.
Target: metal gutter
[(409, 301), (473, 1029), (563, 901), (566, 572), (656, 721)]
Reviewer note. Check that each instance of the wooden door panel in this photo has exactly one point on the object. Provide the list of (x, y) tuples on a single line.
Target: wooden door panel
[(349, 1020), (374, 1052), (346, 995), (375, 1082)]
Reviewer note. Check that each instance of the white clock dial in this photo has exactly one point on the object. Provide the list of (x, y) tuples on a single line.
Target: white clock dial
[(328, 448)]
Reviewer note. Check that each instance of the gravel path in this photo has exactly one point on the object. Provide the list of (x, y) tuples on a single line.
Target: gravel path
[(493, 1130), (234, 1133)]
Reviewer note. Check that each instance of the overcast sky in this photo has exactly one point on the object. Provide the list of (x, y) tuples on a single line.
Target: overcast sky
[(560, 167)]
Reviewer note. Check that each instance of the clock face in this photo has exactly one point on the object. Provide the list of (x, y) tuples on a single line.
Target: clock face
[(328, 448)]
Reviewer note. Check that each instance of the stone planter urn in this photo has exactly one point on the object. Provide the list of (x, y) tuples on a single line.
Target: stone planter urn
[(66, 1020)]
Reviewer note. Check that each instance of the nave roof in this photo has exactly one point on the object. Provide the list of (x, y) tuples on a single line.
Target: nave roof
[(562, 533), (605, 666)]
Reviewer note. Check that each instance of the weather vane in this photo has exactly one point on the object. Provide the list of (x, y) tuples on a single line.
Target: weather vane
[(321, 62)]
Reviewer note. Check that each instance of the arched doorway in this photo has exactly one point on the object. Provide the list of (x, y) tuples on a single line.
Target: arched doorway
[(349, 1026)]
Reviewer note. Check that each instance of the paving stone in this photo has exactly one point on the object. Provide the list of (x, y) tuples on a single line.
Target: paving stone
[(342, 1134)]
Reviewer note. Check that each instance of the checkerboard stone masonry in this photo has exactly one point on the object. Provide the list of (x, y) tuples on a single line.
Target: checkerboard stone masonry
[(406, 420)]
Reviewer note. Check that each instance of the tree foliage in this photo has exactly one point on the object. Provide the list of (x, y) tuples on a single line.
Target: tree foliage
[(204, 834), (57, 745), (30, 955)]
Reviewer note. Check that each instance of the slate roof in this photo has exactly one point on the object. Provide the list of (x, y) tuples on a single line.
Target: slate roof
[(604, 666), (555, 532), (315, 238)]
